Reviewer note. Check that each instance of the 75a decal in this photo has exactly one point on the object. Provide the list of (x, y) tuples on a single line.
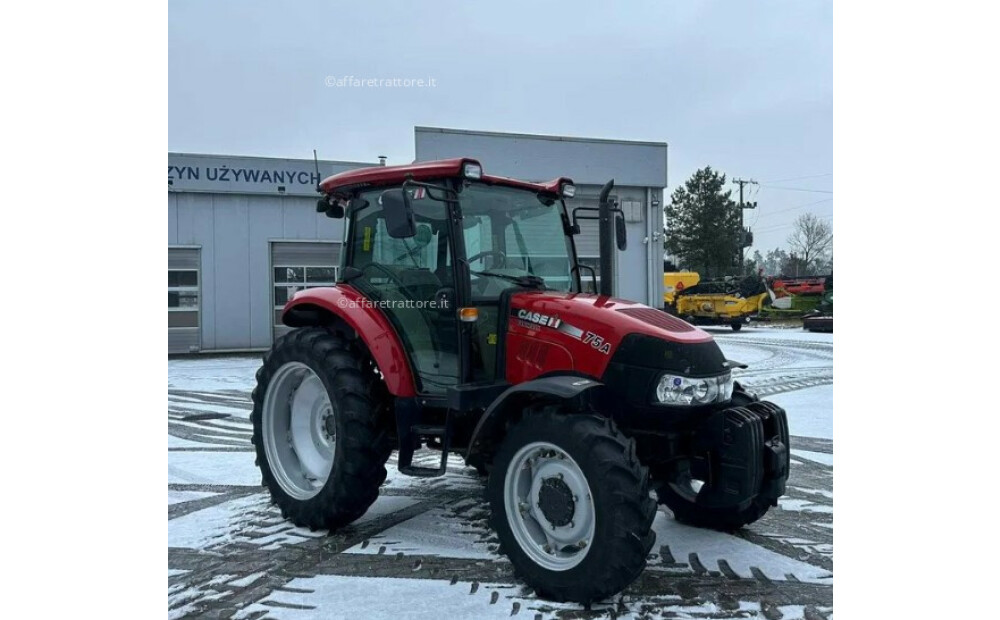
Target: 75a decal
[(597, 342)]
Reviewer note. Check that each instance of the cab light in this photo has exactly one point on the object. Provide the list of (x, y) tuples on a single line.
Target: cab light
[(472, 171)]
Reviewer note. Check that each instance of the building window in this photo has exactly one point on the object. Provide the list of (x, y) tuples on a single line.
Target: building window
[(289, 280), (183, 301)]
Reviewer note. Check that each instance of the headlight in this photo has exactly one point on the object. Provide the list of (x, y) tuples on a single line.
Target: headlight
[(675, 390)]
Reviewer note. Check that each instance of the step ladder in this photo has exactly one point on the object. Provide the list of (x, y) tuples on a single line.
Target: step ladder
[(412, 436)]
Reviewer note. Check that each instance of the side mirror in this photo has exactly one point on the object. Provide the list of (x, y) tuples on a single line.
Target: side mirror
[(331, 209), (620, 238), (398, 213)]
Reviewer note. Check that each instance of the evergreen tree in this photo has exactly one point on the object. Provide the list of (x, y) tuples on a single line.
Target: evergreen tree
[(703, 225)]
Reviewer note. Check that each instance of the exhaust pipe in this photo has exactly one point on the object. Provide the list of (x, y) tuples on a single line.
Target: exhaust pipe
[(607, 247)]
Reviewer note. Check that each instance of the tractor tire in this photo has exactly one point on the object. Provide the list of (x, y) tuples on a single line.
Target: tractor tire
[(737, 325), (571, 506), (689, 513), (315, 411)]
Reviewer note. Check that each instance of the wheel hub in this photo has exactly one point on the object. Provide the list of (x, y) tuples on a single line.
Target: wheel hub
[(549, 506), (555, 500), (299, 430)]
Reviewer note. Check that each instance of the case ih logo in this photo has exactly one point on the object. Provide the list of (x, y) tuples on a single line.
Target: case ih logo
[(529, 319), (538, 319)]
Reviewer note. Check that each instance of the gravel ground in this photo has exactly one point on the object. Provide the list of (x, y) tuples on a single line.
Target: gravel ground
[(424, 550)]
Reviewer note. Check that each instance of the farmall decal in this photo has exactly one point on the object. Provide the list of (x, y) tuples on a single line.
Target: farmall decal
[(535, 320)]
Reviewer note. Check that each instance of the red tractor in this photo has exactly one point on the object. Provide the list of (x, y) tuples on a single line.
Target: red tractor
[(458, 323)]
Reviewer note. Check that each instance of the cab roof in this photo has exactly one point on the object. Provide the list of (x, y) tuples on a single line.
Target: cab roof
[(425, 171)]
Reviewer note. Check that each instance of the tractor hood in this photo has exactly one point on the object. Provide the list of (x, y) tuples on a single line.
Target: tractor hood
[(549, 332)]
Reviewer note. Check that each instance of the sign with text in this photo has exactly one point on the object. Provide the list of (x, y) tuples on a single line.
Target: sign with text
[(249, 175)]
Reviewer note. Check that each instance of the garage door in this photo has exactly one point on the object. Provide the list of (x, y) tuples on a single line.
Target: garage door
[(183, 300), (300, 265)]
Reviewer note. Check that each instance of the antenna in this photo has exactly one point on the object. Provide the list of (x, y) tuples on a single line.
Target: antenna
[(316, 161)]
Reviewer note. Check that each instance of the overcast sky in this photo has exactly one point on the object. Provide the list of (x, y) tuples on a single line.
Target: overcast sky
[(743, 87)]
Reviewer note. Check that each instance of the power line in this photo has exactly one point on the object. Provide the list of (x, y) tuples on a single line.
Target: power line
[(808, 204), (779, 227), (811, 176), (799, 189)]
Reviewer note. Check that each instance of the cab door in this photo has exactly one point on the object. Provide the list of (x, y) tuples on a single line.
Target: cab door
[(412, 282)]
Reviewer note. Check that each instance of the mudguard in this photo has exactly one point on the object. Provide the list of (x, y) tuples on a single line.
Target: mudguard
[(316, 306), (560, 387)]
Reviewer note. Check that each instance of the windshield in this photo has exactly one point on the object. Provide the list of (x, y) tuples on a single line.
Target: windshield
[(511, 233)]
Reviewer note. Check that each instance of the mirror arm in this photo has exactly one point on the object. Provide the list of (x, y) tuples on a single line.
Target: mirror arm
[(430, 187)]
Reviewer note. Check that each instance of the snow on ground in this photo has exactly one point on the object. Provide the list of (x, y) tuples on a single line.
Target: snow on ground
[(214, 468), (213, 374), (424, 549), (810, 411)]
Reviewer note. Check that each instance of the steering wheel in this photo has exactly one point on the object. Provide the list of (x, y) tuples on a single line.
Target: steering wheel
[(503, 257), (389, 273)]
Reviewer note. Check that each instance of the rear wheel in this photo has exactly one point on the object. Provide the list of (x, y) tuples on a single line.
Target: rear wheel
[(570, 504), (320, 450)]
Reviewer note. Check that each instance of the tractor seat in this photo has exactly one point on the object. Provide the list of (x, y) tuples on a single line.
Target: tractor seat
[(421, 284)]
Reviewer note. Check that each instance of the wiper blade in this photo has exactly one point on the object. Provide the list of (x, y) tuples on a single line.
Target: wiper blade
[(528, 281)]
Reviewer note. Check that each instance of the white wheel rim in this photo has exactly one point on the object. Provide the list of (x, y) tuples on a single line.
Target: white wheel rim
[(300, 438), (551, 543)]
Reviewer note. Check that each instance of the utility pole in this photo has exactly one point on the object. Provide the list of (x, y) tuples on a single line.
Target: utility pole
[(745, 238)]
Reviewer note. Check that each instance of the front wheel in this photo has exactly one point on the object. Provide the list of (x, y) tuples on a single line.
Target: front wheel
[(680, 495), (570, 504)]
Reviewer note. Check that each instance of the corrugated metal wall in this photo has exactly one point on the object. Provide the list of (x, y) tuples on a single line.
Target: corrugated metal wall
[(235, 232)]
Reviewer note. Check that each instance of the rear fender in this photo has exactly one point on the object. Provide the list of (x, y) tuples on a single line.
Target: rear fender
[(342, 306), (572, 390)]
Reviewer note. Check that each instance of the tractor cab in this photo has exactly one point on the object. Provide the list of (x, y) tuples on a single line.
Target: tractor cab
[(441, 258), (438, 253)]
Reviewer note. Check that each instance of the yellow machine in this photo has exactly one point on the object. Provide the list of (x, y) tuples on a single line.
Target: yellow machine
[(727, 301), (719, 308), (675, 282)]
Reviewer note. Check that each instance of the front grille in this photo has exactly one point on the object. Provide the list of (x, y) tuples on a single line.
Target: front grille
[(657, 318)]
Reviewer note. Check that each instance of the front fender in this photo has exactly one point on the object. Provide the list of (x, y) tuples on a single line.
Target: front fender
[(555, 388), (314, 306)]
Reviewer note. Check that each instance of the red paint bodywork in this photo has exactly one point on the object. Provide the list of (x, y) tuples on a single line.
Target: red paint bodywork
[(426, 171), (373, 327), (533, 350)]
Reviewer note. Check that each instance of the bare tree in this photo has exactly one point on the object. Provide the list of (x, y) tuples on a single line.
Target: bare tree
[(812, 239)]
